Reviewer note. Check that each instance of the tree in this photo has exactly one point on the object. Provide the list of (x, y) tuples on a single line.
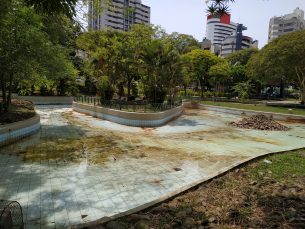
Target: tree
[(220, 71), (282, 58), (219, 7), (201, 62), (238, 73), (242, 56), (27, 55), (53, 7), (183, 43), (151, 56)]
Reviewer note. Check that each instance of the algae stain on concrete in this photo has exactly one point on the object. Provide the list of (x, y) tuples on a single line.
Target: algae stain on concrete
[(95, 150)]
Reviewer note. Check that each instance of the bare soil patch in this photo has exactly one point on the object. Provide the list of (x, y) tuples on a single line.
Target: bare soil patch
[(20, 110)]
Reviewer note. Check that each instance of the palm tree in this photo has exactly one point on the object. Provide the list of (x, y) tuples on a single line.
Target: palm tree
[(219, 7), (151, 56)]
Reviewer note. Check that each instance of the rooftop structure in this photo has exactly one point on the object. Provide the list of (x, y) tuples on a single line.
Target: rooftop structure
[(279, 26)]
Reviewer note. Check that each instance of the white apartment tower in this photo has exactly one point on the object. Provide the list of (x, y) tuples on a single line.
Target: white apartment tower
[(225, 37), (118, 17), (218, 29), (279, 26)]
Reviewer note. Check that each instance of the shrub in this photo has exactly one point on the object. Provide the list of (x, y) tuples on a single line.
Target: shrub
[(197, 93), (228, 95), (244, 96), (160, 91), (208, 94)]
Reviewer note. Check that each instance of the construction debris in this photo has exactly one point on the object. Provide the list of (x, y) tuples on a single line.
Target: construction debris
[(259, 122)]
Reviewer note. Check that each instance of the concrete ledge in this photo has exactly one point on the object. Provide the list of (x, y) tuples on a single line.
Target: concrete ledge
[(276, 116), (129, 118), (55, 100), (15, 131)]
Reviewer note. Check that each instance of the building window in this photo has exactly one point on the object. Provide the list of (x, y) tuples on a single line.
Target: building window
[(281, 25), (288, 30)]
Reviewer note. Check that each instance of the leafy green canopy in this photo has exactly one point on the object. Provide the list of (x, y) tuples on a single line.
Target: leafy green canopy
[(242, 56), (183, 43), (53, 7), (284, 57), (28, 56), (206, 65)]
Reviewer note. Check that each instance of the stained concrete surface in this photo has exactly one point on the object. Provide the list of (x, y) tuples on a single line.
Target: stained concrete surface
[(78, 168)]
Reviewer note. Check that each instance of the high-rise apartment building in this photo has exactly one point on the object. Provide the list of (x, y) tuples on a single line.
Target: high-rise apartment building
[(117, 16), (224, 36), (279, 26), (218, 29), (236, 41)]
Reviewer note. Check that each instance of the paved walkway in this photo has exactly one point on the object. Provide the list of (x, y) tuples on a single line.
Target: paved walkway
[(79, 169)]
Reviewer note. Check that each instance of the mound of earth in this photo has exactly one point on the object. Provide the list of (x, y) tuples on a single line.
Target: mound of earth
[(20, 110), (259, 122)]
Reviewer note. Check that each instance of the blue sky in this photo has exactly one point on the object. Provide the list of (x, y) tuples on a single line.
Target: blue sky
[(189, 16)]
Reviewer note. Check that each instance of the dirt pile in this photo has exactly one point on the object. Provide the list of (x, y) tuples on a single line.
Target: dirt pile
[(259, 122)]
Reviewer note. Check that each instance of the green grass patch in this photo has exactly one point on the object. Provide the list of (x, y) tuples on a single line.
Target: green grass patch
[(284, 167), (254, 108)]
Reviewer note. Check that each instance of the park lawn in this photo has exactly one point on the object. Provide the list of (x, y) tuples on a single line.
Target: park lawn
[(254, 108)]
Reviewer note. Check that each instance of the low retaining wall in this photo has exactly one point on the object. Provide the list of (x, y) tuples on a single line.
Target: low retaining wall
[(48, 99), (275, 116), (129, 118), (15, 131)]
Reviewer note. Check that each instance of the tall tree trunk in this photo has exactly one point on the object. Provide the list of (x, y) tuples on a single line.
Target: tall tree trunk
[(155, 89), (184, 90), (9, 98), (4, 93), (128, 86), (201, 85)]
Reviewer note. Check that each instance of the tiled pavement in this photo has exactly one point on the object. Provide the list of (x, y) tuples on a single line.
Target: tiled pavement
[(59, 193)]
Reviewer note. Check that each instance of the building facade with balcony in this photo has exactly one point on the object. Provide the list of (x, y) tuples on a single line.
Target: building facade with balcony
[(224, 36), (116, 15), (288, 23), (237, 41), (217, 29)]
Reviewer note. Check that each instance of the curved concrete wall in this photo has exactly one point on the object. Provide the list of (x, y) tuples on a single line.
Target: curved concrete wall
[(48, 99), (12, 132), (129, 118), (275, 116)]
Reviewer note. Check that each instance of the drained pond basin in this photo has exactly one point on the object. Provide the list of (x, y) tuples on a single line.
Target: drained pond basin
[(79, 169)]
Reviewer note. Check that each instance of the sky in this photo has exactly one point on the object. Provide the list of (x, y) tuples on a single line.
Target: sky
[(190, 17)]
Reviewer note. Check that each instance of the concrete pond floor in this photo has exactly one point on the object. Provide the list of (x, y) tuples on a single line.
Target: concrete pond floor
[(78, 168)]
